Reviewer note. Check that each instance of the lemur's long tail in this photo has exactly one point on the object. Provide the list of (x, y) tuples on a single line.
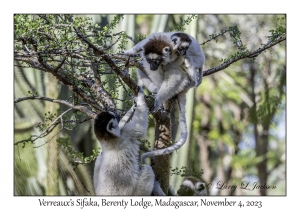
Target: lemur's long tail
[(183, 134)]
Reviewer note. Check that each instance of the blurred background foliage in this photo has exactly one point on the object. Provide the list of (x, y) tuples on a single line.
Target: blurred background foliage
[(236, 117)]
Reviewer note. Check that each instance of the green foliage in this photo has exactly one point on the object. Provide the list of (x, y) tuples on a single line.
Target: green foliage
[(140, 37), (280, 30), (225, 114), (123, 42), (246, 159), (53, 38), (74, 156), (185, 22), (67, 121), (35, 93), (145, 144), (184, 171), (109, 27), (268, 106), (214, 36), (236, 35), (48, 118)]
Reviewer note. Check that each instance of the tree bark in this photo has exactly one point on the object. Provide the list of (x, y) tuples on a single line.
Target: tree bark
[(161, 164)]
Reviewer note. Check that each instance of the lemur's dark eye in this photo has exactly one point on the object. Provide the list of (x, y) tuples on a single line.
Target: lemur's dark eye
[(174, 40), (166, 49)]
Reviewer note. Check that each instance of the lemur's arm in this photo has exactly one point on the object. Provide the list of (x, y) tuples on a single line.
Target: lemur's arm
[(147, 82), (127, 117), (137, 126), (175, 81), (137, 48), (97, 171)]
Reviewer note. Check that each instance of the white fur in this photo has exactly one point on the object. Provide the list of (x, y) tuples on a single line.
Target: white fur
[(117, 170), (188, 184), (153, 56), (195, 187), (185, 44), (194, 59), (175, 81), (174, 76), (171, 76), (170, 79)]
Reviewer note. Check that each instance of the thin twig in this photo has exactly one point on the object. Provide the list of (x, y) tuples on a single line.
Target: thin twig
[(249, 55), (215, 36), (75, 107), (55, 124), (43, 134)]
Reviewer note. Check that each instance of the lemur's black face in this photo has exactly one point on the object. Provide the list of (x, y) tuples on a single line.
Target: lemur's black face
[(181, 42), (154, 60), (182, 49), (185, 191)]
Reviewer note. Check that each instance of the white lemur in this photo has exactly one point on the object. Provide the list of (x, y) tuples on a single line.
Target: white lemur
[(185, 45), (117, 169), (194, 58), (166, 76), (192, 186)]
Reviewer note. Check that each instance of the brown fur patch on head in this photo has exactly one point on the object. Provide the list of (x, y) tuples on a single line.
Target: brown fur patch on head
[(156, 45), (100, 124), (183, 37)]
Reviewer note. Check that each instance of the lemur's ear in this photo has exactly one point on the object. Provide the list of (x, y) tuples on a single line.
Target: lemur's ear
[(106, 126), (117, 116), (113, 127), (175, 40)]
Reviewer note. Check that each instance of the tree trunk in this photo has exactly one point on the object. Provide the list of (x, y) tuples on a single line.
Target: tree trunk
[(161, 164), (52, 187), (261, 144), (261, 151)]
